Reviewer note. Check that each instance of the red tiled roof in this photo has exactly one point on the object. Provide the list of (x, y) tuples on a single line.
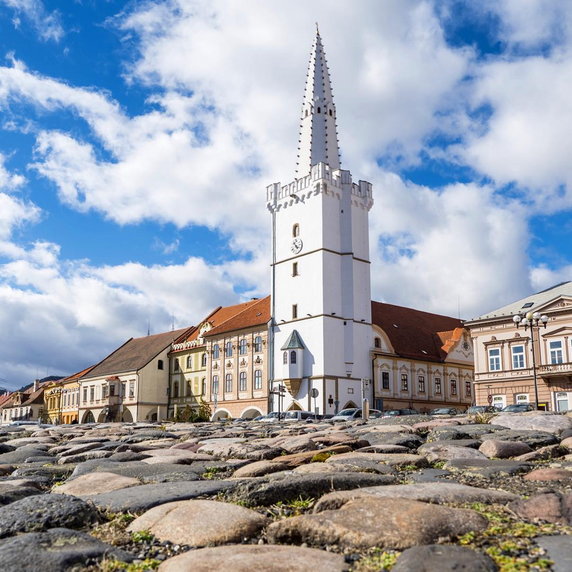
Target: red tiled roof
[(75, 376), (415, 334), (253, 313)]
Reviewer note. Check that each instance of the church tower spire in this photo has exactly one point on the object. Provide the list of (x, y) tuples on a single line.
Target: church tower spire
[(318, 141)]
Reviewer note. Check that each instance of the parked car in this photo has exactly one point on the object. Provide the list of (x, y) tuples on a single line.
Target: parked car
[(518, 408), (272, 417), (300, 416), (443, 411), (474, 409), (397, 412), (354, 413)]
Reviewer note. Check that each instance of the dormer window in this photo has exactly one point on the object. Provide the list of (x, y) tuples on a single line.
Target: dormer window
[(160, 364), (377, 342)]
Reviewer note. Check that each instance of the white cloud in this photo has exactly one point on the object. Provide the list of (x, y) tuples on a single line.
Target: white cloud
[(458, 250), (46, 23)]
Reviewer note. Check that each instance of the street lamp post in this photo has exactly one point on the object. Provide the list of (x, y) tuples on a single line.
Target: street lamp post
[(533, 321)]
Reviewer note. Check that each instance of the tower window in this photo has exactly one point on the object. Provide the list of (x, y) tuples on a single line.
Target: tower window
[(294, 269), (294, 311), (293, 356), (285, 358), (306, 114), (296, 230), (330, 112), (319, 110), (377, 342)]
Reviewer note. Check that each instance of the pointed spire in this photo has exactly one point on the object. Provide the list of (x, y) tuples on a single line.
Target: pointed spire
[(318, 136)]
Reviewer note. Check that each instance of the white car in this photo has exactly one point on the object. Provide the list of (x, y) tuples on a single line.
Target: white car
[(353, 413)]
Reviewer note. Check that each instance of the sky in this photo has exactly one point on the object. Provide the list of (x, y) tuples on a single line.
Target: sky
[(137, 140)]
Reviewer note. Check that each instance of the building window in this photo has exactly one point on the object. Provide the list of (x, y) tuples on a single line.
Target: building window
[(521, 398), (257, 344), (176, 364), (112, 389), (499, 401), (132, 389), (437, 386), (285, 358), (189, 362), (377, 342), (293, 356), (421, 384), (228, 349), (242, 347), (124, 389), (385, 380), (160, 364), (203, 385), (294, 269), (294, 311), (103, 391), (296, 230), (92, 393), (228, 383), (404, 382), (215, 384), (468, 388), (242, 381), (216, 351), (176, 389), (556, 351), (517, 357), (453, 387), (257, 379), (494, 359)]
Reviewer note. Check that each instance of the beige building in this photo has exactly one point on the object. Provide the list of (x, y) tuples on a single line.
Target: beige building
[(190, 361), (508, 357), (131, 383), (237, 362), (420, 361)]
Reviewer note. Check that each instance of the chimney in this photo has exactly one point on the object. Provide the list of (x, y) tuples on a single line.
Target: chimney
[(36, 383)]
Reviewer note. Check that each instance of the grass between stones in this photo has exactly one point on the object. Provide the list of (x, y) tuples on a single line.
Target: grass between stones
[(510, 541)]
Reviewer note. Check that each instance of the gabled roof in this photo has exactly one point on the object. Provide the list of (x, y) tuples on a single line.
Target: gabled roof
[(134, 354), (530, 303), (4, 398), (77, 375), (415, 334), (294, 342), (252, 313)]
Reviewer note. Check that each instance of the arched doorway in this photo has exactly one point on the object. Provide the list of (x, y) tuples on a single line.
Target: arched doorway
[(88, 417), (127, 417)]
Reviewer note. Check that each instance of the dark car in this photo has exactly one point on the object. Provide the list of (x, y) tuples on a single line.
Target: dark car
[(443, 411), (474, 409), (397, 412), (518, 408)]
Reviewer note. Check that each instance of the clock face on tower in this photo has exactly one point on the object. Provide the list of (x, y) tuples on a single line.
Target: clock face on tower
[(296, 245)]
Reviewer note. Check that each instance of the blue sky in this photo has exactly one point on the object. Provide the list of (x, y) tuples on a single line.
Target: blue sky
[(137, 140)]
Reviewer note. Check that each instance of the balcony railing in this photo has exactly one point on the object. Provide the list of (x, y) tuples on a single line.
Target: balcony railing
[(554, 369)]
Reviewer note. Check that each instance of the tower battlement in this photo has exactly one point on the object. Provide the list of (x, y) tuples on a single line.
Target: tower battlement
[(307, 186)]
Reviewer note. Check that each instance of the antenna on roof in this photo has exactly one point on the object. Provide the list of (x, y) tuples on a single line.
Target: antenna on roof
[(458, 307), (172, 322), (148, 326)]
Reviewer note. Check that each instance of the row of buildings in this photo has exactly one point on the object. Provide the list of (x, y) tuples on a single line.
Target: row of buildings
[(418, 360)]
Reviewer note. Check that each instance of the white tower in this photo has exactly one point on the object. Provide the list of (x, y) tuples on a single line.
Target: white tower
[(321, 275)]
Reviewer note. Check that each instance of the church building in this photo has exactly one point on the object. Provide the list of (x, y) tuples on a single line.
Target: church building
[(321, 338)]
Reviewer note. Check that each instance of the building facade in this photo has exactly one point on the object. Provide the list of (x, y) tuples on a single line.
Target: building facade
[(238, 362), (514, 363), (131, 384), (420, 360), (320, 267)]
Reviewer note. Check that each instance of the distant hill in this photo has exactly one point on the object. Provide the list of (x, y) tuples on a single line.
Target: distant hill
[(43, 380)]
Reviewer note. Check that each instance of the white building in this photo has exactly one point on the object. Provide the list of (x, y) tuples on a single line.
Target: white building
[(321, 299)]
